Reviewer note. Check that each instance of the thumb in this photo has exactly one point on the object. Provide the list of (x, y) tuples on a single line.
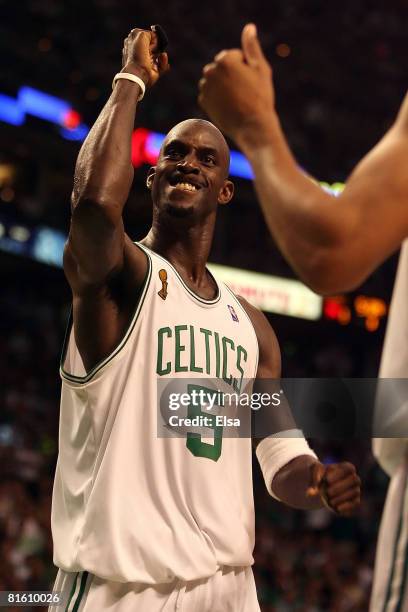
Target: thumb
[(251, 46), (318, 473), (163, 63)]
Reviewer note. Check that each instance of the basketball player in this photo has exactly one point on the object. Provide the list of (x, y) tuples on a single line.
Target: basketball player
[(142, 522), (333, 245)]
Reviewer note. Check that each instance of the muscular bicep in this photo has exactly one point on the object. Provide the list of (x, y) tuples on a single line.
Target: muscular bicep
[(274, 414), (269, 363), (102, 312), (378, 188), (96, 243), (371, 215)]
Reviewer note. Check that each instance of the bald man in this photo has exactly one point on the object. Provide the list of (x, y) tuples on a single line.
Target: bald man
[(333, 245), (142, 521)]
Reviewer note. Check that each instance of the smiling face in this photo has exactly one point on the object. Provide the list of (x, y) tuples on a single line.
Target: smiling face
[(190, 178)]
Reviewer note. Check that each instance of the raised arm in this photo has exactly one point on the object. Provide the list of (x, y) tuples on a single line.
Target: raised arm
[(105, 270), (332, 243), (292, 472), (104, 173)]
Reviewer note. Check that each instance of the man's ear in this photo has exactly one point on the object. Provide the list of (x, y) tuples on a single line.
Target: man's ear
[(226, 192), (150, 177)]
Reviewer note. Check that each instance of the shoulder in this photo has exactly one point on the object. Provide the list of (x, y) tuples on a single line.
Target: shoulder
[(258, 319), (269, 351)]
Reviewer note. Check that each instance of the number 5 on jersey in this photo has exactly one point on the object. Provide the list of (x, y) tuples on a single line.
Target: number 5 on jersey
[(194, 441)]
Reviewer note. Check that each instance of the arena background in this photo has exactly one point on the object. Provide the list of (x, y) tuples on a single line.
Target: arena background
[(340, 74)]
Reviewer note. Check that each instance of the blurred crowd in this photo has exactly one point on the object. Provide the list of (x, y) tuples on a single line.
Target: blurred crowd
[(328, 59), (314, 561), (30, 337), (308, 562)]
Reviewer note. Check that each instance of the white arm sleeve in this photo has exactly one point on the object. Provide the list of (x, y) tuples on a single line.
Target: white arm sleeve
[(275, 452)]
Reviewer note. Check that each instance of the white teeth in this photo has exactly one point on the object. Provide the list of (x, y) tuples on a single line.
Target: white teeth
[(186, 186)]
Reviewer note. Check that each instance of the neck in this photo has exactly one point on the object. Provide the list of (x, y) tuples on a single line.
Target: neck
[(185, 246)]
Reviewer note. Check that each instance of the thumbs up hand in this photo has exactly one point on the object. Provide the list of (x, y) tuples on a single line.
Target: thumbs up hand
[(236, 90)]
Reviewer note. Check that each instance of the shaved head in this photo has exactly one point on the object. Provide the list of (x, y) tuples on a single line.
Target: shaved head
[(191, 179), (201, 125)]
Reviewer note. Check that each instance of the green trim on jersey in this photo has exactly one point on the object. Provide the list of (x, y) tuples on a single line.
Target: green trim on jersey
[(190, 291), (74, 583), (84, 379), (84, 578)]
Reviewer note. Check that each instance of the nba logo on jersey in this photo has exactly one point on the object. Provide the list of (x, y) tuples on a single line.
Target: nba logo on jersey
[(234, 315)]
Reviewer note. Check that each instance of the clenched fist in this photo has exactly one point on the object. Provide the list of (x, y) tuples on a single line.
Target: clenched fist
[(236, 90), (142, 55), (338, 485)]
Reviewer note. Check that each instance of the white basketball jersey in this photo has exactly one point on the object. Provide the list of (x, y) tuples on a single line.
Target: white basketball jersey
[(394, 361), (391, 451), (390, 591), (128, 505)]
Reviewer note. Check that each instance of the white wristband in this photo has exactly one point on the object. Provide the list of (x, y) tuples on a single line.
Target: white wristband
[(276, 451), (130, 77)]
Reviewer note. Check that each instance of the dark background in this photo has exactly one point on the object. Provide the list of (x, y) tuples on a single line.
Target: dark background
[(338, 90)]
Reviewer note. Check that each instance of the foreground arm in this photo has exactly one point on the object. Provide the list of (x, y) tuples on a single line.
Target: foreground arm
[(332, 243), (292, 471)]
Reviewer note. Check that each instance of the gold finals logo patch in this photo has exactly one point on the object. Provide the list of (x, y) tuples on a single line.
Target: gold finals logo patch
[(163, 278)]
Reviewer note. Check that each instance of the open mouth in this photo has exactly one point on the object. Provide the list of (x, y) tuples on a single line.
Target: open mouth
[(185, 187), (184, 184)]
